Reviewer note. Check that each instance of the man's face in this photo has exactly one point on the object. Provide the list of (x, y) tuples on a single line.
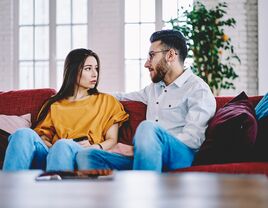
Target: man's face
[(156, 62)]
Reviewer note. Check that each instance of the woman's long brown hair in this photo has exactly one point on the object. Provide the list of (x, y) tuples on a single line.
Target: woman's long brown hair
[(73, 65)]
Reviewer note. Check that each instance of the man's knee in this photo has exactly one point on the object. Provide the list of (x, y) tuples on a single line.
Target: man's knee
[(145, 126), (145, 134)]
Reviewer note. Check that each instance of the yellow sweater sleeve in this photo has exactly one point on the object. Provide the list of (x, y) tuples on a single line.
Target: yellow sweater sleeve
[(46, 127), (117, 114)]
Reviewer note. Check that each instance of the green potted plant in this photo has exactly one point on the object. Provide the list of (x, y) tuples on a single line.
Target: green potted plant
[(209, 46)]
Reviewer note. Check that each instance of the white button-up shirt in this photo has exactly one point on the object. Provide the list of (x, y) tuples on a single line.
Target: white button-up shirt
[(183, 108)]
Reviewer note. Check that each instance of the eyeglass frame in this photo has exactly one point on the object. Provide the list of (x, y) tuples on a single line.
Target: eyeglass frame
[(151, 54)]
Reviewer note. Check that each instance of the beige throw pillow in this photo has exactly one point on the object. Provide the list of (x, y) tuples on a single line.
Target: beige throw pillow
[(10, 123)]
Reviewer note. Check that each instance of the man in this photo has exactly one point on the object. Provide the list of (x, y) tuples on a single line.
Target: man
[(179, 106)]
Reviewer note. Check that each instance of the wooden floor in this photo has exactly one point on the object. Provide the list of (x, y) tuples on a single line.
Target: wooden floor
[(131, 189)]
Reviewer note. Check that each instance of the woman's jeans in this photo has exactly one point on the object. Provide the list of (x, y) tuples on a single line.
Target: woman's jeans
[(154, 149), (26, 150)]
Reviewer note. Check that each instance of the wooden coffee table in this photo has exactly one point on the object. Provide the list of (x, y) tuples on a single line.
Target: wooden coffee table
[(135, 189)]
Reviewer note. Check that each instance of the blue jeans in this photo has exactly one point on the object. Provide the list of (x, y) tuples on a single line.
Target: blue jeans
[(26, 150), (154, 149)]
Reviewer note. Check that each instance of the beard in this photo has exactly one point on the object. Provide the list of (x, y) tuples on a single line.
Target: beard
[(160, 71)]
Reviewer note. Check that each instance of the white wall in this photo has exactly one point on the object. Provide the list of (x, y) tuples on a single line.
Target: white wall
[(263, 47), (6, 45), (244, 37), (107, 39)]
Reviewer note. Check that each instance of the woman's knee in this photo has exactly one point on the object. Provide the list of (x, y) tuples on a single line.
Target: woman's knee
[(92, 159), (61, 145), (23, 132), (22, 135), (87, 154), (63, 149)]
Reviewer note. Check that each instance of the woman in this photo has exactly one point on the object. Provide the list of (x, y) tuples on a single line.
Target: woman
[(77, 117)]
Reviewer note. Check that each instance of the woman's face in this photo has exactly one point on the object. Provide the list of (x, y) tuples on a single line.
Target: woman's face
[(89, 75)]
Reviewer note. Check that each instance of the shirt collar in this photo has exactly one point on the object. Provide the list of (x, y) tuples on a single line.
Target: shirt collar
[(162, 84), (180, 80), (183, 77)]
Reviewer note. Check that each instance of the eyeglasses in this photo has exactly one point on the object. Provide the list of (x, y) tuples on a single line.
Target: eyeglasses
[(151, 54)]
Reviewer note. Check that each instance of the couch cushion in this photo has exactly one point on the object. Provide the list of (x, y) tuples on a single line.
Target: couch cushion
[(137, 113), (3, 145), (223, 100), (261, 145), (20, 102), (231, 134), (233, 168), (262, 108)]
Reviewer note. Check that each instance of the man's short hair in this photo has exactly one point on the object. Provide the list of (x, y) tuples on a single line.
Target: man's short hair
[(172, 39)]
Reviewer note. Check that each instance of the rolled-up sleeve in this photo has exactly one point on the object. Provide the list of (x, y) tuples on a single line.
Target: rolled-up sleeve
[(46, 127)]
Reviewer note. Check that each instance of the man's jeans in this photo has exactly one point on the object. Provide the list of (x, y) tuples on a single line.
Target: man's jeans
[(154, 149), (26, 150)]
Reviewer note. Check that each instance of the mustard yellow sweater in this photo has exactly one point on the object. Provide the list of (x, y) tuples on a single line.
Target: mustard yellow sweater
[(90, 117)]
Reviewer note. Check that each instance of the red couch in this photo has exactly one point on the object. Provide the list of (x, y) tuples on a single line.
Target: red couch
[(20, 102)]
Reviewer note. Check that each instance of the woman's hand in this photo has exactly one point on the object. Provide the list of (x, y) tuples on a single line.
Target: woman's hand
[(47, 143), (95, 146), (84, 143), (46, 140), (110, 139)]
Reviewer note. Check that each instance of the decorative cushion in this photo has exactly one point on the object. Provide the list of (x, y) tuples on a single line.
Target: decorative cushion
[(11, 123), (8, 125), (231, 134), (262, 108)]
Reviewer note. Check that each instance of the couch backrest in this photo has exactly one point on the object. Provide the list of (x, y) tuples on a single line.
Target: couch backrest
[(137, 113), (222, 100), (19, 102)]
